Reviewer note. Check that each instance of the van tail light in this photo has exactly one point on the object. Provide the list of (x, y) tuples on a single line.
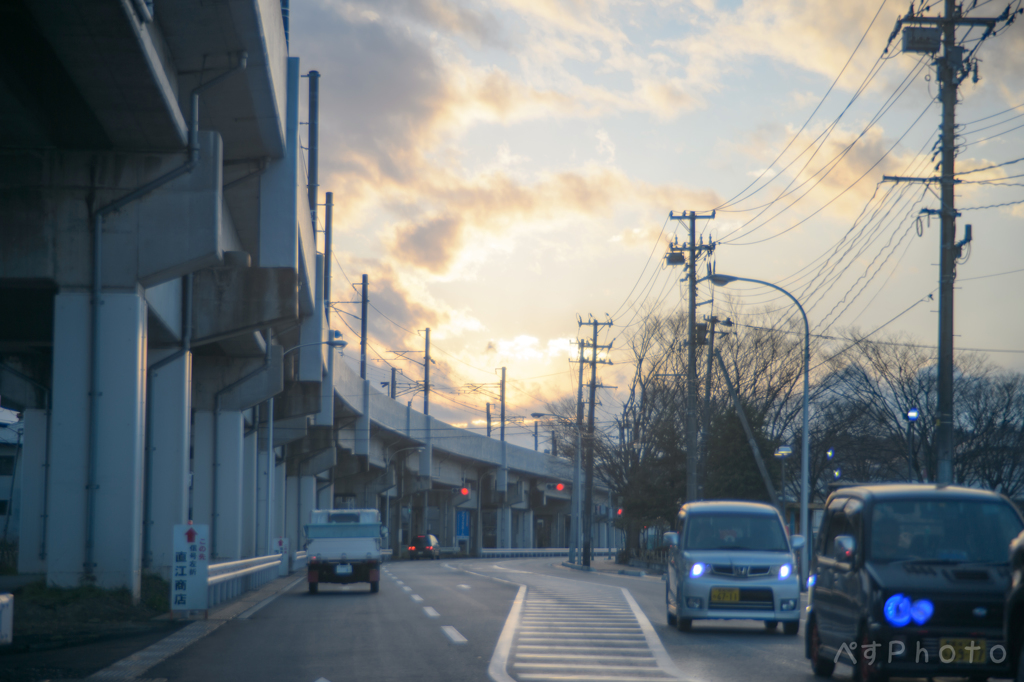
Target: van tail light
[(429, 547), (412, 549)]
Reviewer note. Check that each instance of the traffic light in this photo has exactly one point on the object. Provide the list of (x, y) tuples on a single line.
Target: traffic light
[(464, 491), (618, 512), (559, 487)]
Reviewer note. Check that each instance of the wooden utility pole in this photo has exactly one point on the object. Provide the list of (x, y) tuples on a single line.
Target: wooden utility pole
[(674, 257), (426, 375), (362, 324), (926, 35), (588, 502)]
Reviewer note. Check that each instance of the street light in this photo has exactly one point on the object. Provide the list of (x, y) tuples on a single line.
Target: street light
[(723, 280), (574, 502), (911, 417)]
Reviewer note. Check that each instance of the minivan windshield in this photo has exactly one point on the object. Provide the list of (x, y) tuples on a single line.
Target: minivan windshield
[(942, 531), (738, 530)]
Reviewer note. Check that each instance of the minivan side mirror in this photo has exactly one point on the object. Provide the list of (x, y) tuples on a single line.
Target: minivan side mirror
[(670, 539), (797, 542), (845, 546)]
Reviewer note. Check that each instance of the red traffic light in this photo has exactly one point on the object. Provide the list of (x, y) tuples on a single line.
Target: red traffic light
[(464, 491), (559, 486), (619, 512)]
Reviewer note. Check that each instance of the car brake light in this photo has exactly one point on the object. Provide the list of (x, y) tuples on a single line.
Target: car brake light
[(412, 548), (429, 547)]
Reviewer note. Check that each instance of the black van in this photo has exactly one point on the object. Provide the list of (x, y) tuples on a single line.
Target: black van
[(909, 581)]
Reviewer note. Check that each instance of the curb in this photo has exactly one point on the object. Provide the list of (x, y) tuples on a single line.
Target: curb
[(577, 568)]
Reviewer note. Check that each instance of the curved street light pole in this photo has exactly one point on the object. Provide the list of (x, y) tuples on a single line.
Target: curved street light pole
[(574, 502), (722, 280)]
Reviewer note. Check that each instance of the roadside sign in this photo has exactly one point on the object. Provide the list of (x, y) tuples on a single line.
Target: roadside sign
[(191, 567), (462, 523), (280, 546)]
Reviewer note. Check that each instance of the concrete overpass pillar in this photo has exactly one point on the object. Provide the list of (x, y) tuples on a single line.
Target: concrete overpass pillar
[(264, 478), (227, 530), (169, 439), (307, 502), (249, 477), (526, 525), (325, 496), (32, 468), (117, 502), (291, 514)]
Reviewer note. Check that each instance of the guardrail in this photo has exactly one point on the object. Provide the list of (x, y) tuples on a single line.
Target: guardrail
[(229, 579), (386, 554), (517, 553)]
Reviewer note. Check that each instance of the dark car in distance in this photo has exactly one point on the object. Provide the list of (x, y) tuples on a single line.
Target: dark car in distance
[(910, 581), (424, 546)]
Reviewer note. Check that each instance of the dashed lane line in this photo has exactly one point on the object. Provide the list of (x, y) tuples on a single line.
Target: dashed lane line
[(417, 598), (454, 635), (431, 613)]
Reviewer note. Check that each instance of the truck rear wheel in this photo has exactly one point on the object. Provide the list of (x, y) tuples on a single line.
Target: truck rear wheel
[(375, 587), (314, 588)]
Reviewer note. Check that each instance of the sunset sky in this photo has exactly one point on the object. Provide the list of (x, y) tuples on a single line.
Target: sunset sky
[(502, 168)]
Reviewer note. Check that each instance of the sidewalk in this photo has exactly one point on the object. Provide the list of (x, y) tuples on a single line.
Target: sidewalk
[(609, 566), (128, 658)]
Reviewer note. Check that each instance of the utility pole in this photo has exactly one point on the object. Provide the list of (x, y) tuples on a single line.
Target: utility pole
[(314, 143), (501, 428), (708, 375), (362, 323), (588, 503), (925, 35), (426, 375), (394, 383), (328, 232), (675, 256), (536, 437), (488, 420)]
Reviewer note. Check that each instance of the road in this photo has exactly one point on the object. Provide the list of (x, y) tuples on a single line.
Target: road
[(447, 620)]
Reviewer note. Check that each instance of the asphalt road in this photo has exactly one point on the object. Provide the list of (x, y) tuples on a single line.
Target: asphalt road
[(445, 620)]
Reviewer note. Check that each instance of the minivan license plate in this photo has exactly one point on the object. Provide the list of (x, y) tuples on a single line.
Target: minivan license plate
[(725, 594), (343, 569), (964, 650)]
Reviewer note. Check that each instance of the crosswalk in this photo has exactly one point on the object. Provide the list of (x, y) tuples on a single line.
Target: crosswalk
[(586, 634)]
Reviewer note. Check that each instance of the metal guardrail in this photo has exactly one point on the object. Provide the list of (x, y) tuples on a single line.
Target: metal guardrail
[(229, 579), (516, 553), (386, 554)]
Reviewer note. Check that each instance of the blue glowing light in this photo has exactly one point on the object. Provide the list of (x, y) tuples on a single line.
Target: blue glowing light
[(784, 571), (897, 610), (811, 579), (697, 570), (921, 611)]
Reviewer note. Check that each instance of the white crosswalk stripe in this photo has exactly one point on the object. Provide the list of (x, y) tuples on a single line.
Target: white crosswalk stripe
[(584, 635)]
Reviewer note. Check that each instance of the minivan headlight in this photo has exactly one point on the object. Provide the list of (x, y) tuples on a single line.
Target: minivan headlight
[(697, 570), (785, 570)]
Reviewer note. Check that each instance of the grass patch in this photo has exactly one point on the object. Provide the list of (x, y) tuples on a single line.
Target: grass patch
[(43, 610)]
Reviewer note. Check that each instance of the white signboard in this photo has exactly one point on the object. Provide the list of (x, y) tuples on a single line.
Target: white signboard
[(190, 568), (280, 546)]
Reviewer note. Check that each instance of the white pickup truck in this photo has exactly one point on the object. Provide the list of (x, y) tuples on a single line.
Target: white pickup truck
[(343, 546)]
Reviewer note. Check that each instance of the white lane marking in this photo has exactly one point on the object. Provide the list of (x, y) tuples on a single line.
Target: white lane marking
[(399, 582), (246, 614), (499, 659), (653, 641), (454, 635), (431, 613), (406, 588), (510, 570), (322, 679), (463, 587), (417, 597)]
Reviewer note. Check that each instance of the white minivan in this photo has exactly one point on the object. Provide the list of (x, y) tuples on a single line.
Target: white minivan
[(732, 560)]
